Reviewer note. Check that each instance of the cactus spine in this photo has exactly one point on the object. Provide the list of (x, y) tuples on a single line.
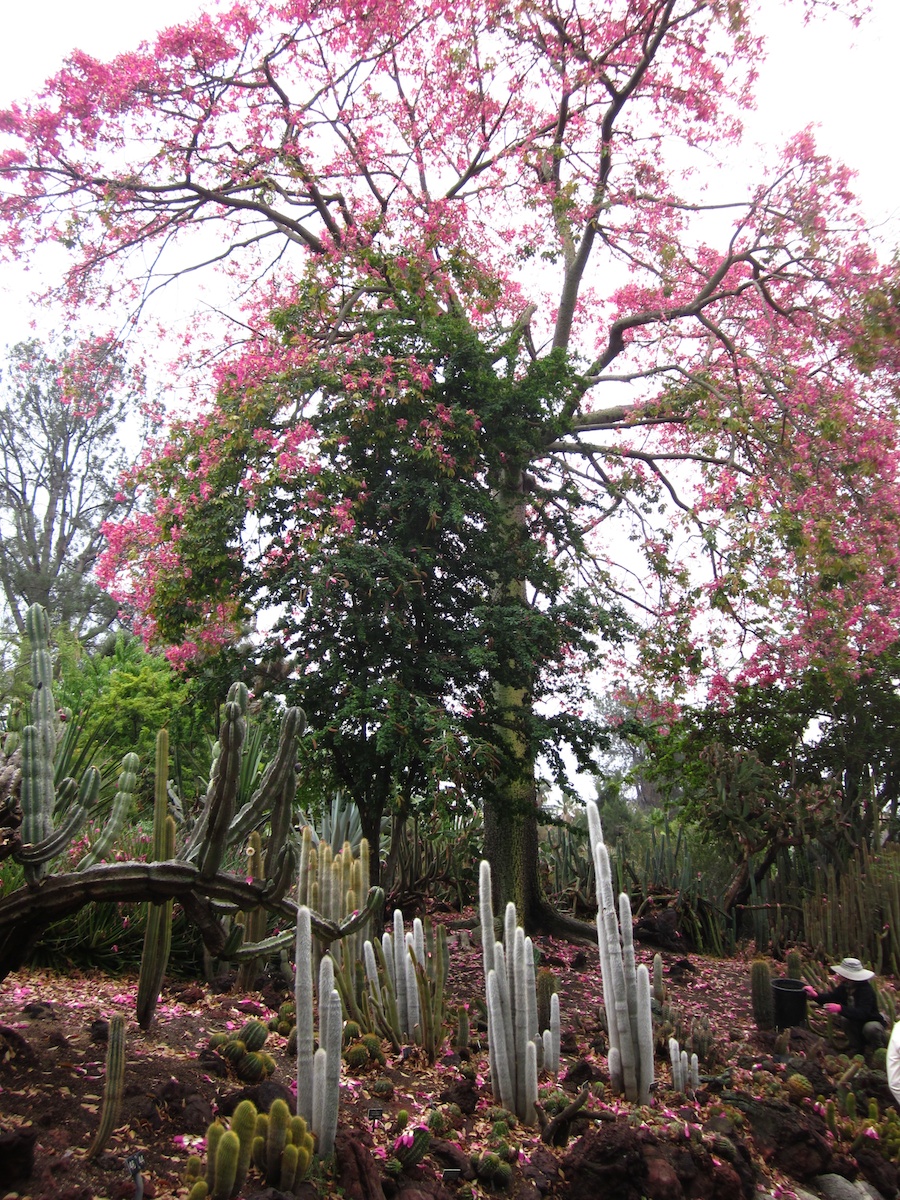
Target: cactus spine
[(626, 987), (113, 1085), (158, 934)]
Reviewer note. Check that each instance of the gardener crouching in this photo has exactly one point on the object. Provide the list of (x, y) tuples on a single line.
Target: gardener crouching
[(854, 1004)]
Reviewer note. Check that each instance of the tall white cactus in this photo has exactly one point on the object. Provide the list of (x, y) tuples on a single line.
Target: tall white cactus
[(319, 1074), (626, 986), (516, 1045)]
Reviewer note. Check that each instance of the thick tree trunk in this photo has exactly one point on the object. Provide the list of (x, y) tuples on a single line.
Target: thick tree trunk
[(511, 814), (511, 847)]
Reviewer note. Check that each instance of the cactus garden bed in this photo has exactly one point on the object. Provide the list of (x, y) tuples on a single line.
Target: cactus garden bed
[(749, 1125)]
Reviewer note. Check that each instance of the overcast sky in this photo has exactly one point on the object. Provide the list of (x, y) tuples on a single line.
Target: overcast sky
[(828, 74)]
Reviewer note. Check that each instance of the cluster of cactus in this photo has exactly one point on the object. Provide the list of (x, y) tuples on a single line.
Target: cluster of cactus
[(113, 1085), (361, 1049), (493, 1165), (761, 998), (195, 872), (515, 1041), (319, 1072), (685, 1068), (403, 995), (857, 911), (626, 986), (40, 841), (243, 1051), (122, 806), (445, 1118), (278, 1145), (408, 1150), (335, 885)]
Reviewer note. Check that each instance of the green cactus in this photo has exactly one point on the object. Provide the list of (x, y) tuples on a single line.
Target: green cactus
[(113, 1086), (255, 921), (223, 784), (253, 1034), (411, 1147), (761, 994), (121, 807), (793, 964), (224, 1167), (40, 842), (158, 934)]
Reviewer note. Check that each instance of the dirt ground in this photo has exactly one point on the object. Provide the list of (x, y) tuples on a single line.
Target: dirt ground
[(52, 1061)]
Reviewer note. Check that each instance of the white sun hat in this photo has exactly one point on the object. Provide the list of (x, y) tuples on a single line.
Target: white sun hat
[(852, 968)]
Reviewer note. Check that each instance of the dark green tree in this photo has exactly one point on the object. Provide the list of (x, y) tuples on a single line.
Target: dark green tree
[(426, 619)]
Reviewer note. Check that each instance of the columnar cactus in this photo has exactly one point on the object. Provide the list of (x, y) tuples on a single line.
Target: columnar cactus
[(513, 1036), (113, 1085), (40, 842), (626, 987), (405, 977), (318, 1075), (761, 998), (121, 807), (158, 934)]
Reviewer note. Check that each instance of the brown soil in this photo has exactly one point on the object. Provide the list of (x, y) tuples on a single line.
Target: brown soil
[(52, 1058)]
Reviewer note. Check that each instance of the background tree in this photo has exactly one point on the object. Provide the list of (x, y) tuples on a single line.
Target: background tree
[(728, 457), (814, 765), (64, 415)]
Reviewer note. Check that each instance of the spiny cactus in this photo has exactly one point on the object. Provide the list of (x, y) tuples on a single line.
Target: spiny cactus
[(40, 842), (121, 807), (243, 1051), (158, 934), (319, 1073), (405, 976), (513, 1036), (761, 997), (409, 1149), (626, 986), (113, 1085)]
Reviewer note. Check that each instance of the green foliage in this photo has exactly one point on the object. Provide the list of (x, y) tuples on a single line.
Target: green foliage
[(411, 554)]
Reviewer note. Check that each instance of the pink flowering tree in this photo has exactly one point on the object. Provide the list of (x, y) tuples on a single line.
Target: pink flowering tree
[(718, 415)]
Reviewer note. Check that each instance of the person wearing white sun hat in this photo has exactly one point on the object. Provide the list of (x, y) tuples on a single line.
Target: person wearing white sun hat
[(854, 1003)]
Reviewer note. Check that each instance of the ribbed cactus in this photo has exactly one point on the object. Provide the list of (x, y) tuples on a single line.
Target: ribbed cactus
[(405, 975), (626, 986), (254, 922), (113, 1085), (223, 785), (319, 1074), (762, 1000), (513, 1036), (121, 807), (158, 934), (40, 842)]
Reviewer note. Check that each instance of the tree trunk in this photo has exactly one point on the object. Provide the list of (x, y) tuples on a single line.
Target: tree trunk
[(511, 814)]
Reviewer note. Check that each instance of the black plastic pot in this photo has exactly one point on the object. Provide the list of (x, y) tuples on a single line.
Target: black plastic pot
[(789, 1002)]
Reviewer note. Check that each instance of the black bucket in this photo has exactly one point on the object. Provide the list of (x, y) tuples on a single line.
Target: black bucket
[(790, 1002)]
